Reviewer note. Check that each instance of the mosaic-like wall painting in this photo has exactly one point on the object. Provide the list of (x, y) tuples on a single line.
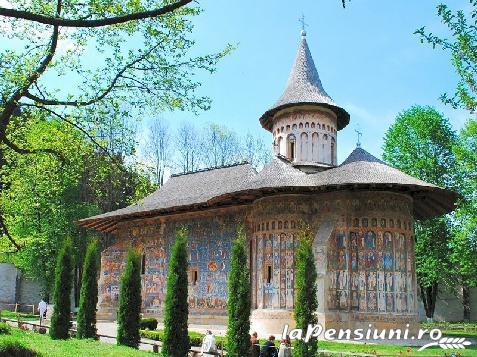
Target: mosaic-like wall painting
[(370, 270), (274, 276), (112, 265)]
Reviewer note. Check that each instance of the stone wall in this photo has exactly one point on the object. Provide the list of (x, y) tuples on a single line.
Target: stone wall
[(8, 283), (16, 288)]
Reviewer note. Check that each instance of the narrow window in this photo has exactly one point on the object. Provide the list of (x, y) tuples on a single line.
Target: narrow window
[(143, 264), (194, 276), (269, 274)]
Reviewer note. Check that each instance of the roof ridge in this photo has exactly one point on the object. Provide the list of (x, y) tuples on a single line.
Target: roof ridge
[(245, 162)]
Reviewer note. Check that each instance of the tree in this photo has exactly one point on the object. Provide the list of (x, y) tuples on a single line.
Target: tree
[(464, 241), (176, 310), (130, 301), (56, 39), (420, 143), (60, 319), (86, 321), (463, 48), (255, 151), (159, 148), (306, 302), (189, 148), (221, 144), (238, 299)]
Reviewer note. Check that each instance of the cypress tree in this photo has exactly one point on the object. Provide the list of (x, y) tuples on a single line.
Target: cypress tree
[(176, 311), (130, 301), (306, 302), (86, 321), (60, 319), (238, 301)]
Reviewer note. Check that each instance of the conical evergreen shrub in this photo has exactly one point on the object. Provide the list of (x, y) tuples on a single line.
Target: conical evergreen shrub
[(238, 300), (60, 319), (176, 312), (86, 321), (306, 302), (130, 302)]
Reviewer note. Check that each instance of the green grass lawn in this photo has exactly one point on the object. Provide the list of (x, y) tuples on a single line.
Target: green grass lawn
[(392, 350), (23, 316), (46, 347)]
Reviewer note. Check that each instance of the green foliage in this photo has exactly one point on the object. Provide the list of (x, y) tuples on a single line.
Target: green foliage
[(420, 143), (86, 321), (12, 347), (43, 345), (130, 301), (238, 299), (306, 302), (462, 47), (60, 319), (176, 311), (464, 242), (5, 328), (149, 323), (195, 338)]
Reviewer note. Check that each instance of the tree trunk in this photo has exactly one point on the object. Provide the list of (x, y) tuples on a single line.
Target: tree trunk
[(466, 302), (429, 297)]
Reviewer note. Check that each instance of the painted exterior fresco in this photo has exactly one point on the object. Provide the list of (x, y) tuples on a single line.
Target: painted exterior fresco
[(209, 245), (371, 271)]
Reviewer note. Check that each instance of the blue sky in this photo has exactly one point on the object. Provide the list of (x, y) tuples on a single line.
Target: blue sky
[(368, 59)]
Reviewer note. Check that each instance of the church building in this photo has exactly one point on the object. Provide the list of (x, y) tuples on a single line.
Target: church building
[(361, 213)]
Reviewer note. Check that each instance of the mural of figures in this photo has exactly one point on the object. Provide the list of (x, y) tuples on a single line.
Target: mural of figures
[(372, 272)]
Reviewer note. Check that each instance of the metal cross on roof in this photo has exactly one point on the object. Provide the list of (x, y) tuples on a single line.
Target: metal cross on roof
[(358, 143), (302, 21)]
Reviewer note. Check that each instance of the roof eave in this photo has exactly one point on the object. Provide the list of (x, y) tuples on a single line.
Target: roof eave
[(266, 120)]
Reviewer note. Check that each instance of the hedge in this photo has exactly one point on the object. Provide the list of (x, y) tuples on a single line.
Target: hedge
[(5, 329), (10, 347), (149, 323)]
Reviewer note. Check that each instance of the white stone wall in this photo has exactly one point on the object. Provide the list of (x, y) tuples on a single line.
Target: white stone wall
[(8, 283), (314, 132)]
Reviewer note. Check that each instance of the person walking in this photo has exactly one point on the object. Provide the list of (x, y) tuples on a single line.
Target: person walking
[(42, 310)]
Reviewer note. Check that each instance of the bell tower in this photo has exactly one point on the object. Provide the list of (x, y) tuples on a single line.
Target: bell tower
[(305, 120)]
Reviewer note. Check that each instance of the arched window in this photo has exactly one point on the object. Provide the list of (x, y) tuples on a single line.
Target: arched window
[(332, 150), (312, 125), (278, 147), (291, 147), (304, 147), (294, 126), (307, 125), (300, 126), (314, 147)]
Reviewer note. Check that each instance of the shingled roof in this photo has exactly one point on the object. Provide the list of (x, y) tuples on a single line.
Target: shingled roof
[(242, 184), (304, 87)]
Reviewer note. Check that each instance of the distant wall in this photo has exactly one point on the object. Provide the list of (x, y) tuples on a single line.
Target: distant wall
[(8, 283), (15, 288), (449, 306)]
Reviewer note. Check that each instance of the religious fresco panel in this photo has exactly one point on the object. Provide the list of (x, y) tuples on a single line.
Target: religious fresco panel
[(371, 272)]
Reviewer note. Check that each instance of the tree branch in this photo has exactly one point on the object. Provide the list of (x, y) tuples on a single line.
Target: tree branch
[(12, 103), (24, 151), (82, 130), (4, 229), (57, 21)]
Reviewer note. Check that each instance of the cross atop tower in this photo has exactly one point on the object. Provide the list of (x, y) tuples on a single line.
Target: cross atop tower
[(358, 143), (303, 24)]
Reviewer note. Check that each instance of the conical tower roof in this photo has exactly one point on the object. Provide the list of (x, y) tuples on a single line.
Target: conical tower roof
[(304, 87)]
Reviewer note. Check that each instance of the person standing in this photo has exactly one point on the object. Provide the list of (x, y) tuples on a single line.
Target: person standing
[(42, 310), (254, 345), (209, 347), (269, 349), (285, 348)]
